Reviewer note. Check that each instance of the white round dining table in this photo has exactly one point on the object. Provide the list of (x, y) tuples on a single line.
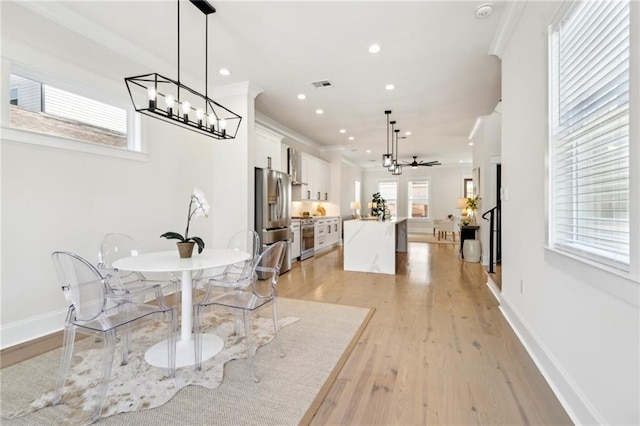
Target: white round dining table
[(170, 261)]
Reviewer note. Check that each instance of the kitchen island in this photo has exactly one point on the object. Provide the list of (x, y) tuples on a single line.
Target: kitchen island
[(371, 245)]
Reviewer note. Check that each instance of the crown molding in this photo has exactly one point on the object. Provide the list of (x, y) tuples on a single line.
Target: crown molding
[(506, 27), (274, 126)]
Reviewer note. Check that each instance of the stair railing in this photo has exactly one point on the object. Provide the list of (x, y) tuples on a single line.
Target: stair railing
[(494, 232)]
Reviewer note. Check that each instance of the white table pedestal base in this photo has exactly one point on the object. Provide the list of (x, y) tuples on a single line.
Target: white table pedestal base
[(185, 351)]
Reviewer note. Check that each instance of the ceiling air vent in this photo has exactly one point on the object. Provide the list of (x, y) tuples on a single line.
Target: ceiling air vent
[(322, 84)]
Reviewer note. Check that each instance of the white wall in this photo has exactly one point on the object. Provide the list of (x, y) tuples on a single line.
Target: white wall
[(349, 175), (59, 199), (446, 188), (580, 323), (486, 152)]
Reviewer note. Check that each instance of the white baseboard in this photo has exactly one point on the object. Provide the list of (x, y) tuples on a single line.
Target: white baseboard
[(31, 328), (572, 399), (494, 289)]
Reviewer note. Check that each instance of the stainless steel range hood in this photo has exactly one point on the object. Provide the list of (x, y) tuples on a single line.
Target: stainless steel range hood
[(294, 167)]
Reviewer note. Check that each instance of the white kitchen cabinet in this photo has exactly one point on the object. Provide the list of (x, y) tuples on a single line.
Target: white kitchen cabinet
[(327, 233), (316, 175), (268, 146), (295, 240), (321, 234), (334, 231), (322, 176)]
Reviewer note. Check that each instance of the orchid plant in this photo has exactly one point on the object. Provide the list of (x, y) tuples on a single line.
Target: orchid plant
[(198, 206)]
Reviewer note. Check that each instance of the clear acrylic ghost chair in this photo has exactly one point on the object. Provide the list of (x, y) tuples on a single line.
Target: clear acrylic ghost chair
[(96, 311), (132, 285), (236, 274), (247, 241), (256, 292)]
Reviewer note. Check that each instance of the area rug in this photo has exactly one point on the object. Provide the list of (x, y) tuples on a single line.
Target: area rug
[(315, 337)]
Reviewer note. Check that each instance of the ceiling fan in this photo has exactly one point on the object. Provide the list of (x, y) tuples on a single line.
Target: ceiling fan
[(415, 163)]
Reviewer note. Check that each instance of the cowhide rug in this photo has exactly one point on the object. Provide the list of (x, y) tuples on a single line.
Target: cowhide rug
[(138, 385)]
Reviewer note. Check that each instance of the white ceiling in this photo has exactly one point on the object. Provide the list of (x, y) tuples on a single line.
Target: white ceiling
[(435, 52)]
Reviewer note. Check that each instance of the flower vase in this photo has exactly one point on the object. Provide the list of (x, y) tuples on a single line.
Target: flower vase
[(186, 249)]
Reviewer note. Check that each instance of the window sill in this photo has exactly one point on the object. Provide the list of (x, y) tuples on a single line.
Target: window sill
[(598, 275), (40, 139)]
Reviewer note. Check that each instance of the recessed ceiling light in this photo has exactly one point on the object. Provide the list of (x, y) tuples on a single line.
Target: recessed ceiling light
[(470, 143), (461, 161), (302, 96), (374, 48), (351, 138), (319, 111), (224, 71), (368, 151), (390, 86), (407, 133)]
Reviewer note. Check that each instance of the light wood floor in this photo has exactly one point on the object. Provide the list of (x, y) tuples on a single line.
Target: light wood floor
[(437, 350)]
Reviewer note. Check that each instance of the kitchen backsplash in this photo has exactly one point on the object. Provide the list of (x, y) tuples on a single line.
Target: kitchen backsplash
[(298, 207)]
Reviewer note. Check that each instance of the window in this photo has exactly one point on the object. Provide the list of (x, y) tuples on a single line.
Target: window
[(468, 188), (13, 96), (42, 108), (589, 69), (389, 191), (418, 198)]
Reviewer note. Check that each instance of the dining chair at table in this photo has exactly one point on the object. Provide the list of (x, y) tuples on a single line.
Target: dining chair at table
[(129, 284), (257, 291), (246, 241), (95, 310), (235, 274)]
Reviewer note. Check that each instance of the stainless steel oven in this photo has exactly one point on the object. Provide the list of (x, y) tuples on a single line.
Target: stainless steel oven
[(307, 231)]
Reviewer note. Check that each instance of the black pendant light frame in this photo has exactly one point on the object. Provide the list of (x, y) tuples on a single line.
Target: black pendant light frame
[(397, 167), (391, 166), (387, 158), (208, 117)]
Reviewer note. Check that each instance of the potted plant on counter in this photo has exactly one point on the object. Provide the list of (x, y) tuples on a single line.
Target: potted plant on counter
[(198, 206), (472, 205)]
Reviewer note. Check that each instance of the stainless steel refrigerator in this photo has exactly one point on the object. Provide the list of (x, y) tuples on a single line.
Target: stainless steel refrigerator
[(273, 210)]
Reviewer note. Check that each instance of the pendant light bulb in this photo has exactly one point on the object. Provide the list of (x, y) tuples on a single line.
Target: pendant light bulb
[(186, 106), (212, 121), (223, 127), (152, 93), (170, 101), (199, 115)]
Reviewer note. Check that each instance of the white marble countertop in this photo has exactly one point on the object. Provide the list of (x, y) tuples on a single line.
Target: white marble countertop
[(374, 219)]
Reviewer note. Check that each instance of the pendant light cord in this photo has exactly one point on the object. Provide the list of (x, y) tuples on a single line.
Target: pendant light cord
[(178, 51), (206, 63)]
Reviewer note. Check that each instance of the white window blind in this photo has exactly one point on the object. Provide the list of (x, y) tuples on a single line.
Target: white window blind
[(389, 191), (590, 133), (418, 198)]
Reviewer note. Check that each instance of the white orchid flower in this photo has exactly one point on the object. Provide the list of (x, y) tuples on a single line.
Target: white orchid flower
[(198, 206), (201, 206)]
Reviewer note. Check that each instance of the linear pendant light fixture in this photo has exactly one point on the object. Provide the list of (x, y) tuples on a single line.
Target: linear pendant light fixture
[(387, 158), (170, 100)]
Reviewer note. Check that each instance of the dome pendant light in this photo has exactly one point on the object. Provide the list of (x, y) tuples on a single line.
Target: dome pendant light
[(387, 159)]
